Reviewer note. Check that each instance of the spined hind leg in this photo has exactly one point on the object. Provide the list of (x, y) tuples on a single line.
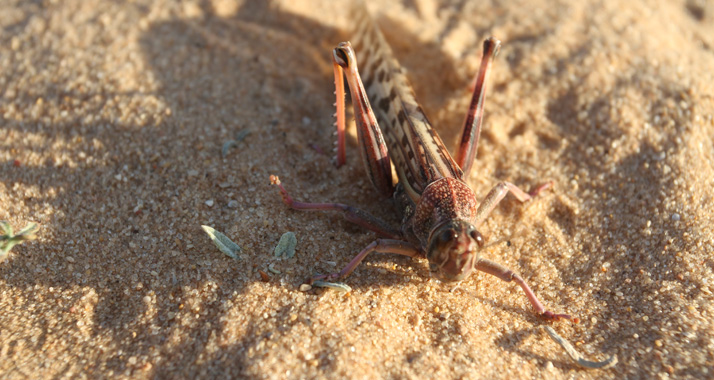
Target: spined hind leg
[(375, 156), (472, 125)]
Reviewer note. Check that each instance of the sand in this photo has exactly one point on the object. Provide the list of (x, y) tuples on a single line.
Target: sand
[(112, 120)]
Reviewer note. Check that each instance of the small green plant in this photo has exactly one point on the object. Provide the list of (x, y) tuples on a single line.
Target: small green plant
[(9, 240), (240, 136), (223, 243), (286, 246)]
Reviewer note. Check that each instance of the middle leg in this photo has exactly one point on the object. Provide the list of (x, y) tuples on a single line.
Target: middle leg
[(496, 195), (352, 214)]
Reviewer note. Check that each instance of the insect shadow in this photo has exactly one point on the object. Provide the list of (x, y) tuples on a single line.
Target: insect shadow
[(156, 249)]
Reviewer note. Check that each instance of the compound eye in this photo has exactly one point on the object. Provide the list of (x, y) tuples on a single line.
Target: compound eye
[(447, 235), (477, 237)]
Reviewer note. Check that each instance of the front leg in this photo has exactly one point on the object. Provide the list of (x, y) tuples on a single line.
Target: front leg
[(383, 246), (508, 275)]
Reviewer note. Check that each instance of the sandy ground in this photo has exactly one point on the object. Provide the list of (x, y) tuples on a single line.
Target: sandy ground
[(112, 119)]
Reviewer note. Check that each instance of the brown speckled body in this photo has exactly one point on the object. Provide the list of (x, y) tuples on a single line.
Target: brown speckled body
[(440, 212), (430, 178), (443, 201), (415, 148)]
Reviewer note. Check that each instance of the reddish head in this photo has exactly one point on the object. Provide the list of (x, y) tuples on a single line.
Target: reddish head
[(454, 250)]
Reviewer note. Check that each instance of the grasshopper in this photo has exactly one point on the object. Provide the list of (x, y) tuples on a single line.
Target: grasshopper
[(440, 212)]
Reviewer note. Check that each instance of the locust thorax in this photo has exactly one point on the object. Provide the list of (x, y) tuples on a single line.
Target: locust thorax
[(454, 250)]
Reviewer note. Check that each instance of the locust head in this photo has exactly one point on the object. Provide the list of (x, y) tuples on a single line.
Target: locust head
[(454, 250)]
